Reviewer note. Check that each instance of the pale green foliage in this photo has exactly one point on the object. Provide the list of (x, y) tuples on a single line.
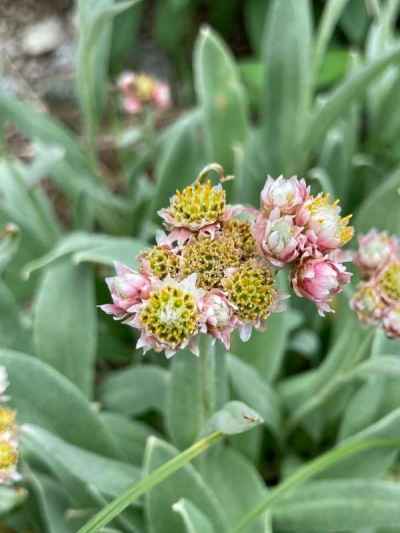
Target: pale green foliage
[(96, 416)]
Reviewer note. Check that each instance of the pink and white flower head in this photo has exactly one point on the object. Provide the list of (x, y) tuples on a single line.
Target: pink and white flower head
[(278, 238), (375, 249), (162, 96), (325, 228), (391, 322), (127, 289), (284, 194), (319, 280), (139, 90), (219, 316), (171, 318), (367, 304)]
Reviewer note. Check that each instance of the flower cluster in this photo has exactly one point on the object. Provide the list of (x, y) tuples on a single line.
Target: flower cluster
[(214, 269), (306, 232), (140, 90), (377, 299), (8, 436)]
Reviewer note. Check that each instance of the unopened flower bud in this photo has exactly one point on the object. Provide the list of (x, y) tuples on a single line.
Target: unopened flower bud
[(319, 280)]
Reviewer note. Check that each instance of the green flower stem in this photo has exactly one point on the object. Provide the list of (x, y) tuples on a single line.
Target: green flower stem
[(118, 505), (310, 470), (207, 376)]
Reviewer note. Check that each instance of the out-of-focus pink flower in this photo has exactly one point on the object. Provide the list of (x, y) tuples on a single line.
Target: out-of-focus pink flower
[(278, 238), (319, 280), (325, 228), (284, 194), (391, 322), (162, 96), (367, 304), (126, 82), (219, 316), (374, 251), (127, 289), (139, 90), (131, 105)]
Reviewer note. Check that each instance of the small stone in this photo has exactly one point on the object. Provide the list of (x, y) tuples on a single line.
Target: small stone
[(43, 37)]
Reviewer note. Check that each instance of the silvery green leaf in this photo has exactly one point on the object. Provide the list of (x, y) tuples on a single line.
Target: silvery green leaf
[(235, 417)]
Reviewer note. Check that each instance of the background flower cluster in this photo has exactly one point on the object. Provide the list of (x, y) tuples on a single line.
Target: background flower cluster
[(377, 299)]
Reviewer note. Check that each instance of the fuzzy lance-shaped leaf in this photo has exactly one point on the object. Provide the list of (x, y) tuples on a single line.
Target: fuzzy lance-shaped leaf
[(184, 401), (250, 387), (194, 520), (330, 16), (338, 102), (11, 498), (135, 390), (130, 436), (185, 483), (255, 16), (187, 402), (339, 506), (44, 397), (296, 390), (28, 208), (51, 500), (13, 333), (354, 20), (10, 238), (121, 249), (66, 337), (371, 463), (363, 408), (221, 97), (367, 404), (287, 87), (91, 248), (381, 208), (39, 125), (108, 476), (95, 27), (238, 487), (181, 159), (235, 417)]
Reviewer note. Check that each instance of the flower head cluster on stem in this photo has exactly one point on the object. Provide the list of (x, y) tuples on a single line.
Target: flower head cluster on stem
[(213, 271), (307, 232), (8, 436), (377, 298), (141, 90)]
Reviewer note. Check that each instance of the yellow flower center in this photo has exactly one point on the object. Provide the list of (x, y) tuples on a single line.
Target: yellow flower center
[(251, 289), (198, 204), (8, 455), (170, 315), (162, 262), (144, 86), (209, 259), (240, 232), (389, 282), (7, 419)]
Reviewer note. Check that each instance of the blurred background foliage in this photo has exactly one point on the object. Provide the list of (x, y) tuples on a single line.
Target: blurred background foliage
[(263, 87)]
